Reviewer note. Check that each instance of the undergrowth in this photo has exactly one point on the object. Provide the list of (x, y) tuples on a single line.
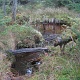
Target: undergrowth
[(54, 66)]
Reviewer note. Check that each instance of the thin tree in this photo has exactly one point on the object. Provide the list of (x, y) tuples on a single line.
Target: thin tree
[(14, 9), (4, 7)]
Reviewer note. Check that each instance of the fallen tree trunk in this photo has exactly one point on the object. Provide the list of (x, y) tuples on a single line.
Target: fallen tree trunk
[(28, 50), (25, 57), (65, 41)]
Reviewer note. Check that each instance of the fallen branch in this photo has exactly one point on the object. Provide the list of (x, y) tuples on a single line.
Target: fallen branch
[(65, 41), (28, 50)]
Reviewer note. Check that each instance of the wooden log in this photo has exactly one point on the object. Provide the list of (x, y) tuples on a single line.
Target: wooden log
[(28, 50), (65, 41)]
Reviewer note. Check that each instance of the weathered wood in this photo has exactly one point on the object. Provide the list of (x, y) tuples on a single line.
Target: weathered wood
[(53, 26), (25, 57), (28, 50), (65, 41), (50, 37), (52, 21), (14, 9)]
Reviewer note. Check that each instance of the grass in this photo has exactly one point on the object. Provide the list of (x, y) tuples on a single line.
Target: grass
[(56, 67), (4, 65)]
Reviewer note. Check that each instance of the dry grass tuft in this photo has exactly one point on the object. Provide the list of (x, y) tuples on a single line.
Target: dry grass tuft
[(11, 41), (4, 66), (2, 46)]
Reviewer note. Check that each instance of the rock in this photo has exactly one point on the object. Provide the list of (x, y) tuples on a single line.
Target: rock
[(29, 71)]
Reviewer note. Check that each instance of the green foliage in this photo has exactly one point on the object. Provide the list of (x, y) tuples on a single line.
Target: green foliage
[(1, 14), (63, 78), (8, 9), (5, 20), (60, 68), (74, 6), (48, 3), (62, 2), (70, 4), (19, 31)]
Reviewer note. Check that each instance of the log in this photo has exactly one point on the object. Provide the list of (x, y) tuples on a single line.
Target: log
[(50, 37), (28, 50), (65, 41)]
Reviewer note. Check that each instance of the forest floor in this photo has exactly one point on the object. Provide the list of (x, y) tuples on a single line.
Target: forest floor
[(55, 66)]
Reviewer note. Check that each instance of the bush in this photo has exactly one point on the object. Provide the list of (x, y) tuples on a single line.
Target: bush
[(74, 6)]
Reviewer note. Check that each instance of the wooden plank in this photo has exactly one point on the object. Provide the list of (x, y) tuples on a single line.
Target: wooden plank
[(28, 50)]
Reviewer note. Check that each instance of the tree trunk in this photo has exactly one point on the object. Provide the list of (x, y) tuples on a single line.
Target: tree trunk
[(4, 8), (14, 9), (28, 50)]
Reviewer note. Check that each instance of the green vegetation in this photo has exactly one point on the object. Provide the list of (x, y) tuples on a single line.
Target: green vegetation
[(70, 4), (54, 66)]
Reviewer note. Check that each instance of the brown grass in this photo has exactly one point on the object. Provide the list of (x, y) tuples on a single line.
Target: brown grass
[(11, 41), (4, 66), (50, 64)]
